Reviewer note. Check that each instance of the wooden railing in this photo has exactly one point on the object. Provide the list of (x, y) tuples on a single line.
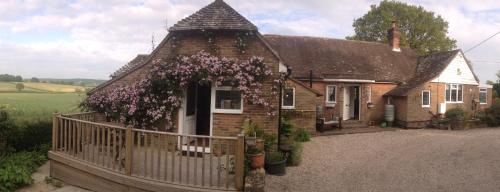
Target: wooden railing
[(207, 162)]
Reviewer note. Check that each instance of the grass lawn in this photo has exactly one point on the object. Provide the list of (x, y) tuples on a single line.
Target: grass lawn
[(39, 106)]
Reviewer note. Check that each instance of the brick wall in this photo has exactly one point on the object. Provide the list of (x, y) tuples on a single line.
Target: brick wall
[(419, 116), (191, 43), (376, 113), (304, 113)]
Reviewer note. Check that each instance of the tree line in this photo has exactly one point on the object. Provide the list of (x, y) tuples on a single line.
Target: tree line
[(10, 78)]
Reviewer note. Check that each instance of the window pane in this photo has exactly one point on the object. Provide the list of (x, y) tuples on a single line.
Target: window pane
[(425, 98), (483, 96), (227, 99), (454, 95), (288, 97), (331, 93)]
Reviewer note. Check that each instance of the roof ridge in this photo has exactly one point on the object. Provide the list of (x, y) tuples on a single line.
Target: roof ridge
[(217, 15), (327, 38)]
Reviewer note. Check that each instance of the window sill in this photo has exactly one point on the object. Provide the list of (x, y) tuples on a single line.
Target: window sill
[(227, 111), (285, 107), (483, 103), (426, 106), (461, 102)]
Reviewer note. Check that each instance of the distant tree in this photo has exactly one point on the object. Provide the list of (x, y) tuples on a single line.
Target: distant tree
[(82, 84), (19, 86), (10, 78), (498, 76), (19, 79), (490, 82), (35, 80), (420, 30), (78, 90)]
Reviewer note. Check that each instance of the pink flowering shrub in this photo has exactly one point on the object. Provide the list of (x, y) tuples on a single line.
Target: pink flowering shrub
[(159, 95)]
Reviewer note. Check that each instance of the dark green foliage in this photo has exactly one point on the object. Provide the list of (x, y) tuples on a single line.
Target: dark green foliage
[(274, 157), (29, 135), (420, 30), (301, 135), (252, 130), (296, 154), (455, 114), (491, 116), (496, 90), (286, 126), (16, 169), (10, 78)]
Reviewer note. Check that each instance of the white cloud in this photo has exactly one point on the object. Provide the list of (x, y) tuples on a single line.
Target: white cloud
[(102, 35)]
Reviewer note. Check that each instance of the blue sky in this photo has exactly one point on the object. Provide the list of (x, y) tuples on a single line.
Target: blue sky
[(93, 38)]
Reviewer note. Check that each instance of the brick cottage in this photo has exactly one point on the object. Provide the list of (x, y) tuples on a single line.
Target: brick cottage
[(328, 78)]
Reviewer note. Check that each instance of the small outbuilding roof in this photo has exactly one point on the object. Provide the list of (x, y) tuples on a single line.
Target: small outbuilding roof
[(428, 68), (215, 16)]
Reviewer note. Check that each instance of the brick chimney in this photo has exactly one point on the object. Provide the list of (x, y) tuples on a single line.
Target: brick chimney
[(394, 37)]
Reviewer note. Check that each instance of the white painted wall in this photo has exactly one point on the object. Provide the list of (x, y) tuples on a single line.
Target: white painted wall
[(457, 72)]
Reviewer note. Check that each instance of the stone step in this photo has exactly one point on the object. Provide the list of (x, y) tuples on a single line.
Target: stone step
[(353, 124)]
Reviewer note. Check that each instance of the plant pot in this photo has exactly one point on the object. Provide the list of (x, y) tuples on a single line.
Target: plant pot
[(276, 168), (257, 161), (259, 144)]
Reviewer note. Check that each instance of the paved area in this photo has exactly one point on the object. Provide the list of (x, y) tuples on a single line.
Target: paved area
[(39, 184), (403, 160)]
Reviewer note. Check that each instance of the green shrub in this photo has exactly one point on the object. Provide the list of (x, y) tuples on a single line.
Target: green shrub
[(274, 157), (30, 135), (301, 135), (455, 114), (491, 116), (253, 130), (17, 168), (296, 154), (286, 126)]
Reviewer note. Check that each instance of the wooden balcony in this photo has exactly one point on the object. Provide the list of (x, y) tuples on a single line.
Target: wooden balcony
[(106, 157)]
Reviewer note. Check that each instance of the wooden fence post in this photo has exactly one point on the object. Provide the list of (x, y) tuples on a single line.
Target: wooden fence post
[(55, 129), (128, 150), (240, 162)]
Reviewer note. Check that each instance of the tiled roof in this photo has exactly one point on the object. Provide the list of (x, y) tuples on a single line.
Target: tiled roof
[(130, 65), (215, 16), (343, 59)]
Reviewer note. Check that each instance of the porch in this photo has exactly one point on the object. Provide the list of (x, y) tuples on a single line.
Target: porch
[(97, 155)]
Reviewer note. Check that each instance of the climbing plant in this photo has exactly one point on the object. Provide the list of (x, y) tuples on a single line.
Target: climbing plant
[(159, 95)]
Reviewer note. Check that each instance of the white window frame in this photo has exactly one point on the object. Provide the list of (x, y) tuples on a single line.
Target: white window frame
[(283, 99), (485, 90), (429, 105), (225, 111), (451, 88), (327, 96), (369, 94)]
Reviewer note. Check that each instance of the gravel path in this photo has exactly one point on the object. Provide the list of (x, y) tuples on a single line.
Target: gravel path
[(404, 160)]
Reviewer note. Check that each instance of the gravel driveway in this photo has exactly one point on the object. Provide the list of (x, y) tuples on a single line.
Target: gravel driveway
[(403, 160)]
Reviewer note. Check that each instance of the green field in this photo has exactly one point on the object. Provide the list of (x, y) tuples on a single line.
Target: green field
[(30, 87), (39, 106)]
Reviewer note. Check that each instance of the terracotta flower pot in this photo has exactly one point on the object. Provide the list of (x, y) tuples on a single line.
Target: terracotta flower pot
[(259, 144), (257, 161)]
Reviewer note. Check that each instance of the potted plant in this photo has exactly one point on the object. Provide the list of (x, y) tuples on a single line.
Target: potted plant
[(256, 157), (456, 117), (275, 164)]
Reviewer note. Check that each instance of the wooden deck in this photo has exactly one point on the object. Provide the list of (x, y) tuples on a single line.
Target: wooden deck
[(197, 162)]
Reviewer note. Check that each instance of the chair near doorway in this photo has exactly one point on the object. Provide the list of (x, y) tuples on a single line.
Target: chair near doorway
[(324, 123)]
